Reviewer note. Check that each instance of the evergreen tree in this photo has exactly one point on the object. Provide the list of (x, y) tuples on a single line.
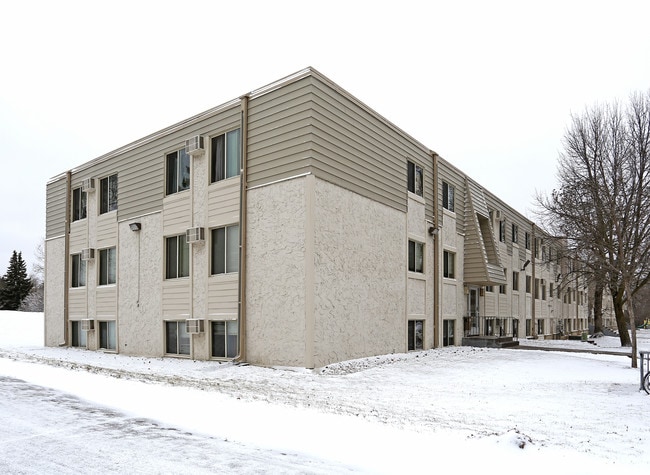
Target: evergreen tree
[(16, 283)]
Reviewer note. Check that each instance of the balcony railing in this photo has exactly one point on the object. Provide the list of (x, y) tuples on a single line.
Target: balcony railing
[(490, 326)]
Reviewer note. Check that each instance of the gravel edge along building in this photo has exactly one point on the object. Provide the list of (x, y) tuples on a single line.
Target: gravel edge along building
[(293, 226)]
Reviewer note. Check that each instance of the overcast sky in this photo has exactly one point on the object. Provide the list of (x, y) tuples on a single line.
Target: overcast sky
[(488, 85)]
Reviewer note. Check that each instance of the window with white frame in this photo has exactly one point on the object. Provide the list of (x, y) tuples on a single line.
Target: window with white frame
[(177, 257), (528, 284), (416, 335), (225, 250), (78, 335), (540, 326), (515, 280), (225, 339), (225, 156), (178, 171), (108, 194), (78, 274), (448, 327), (448, 265), (177, 340), (502, 231), (78, 204), (515, 233), (416, 256), (107, 335), (107, 266), (527, 240), (448, 198), (502, 287), (542, 283)]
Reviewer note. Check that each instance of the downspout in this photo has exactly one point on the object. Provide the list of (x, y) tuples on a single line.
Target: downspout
[(243, 185), (533, 323), (191, 252), (436, 257), (66, 261)]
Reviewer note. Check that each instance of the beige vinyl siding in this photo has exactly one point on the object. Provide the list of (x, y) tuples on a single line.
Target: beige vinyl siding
[(55, 192), (279, 133), (176, 298), (106, 230), (78, 236), (106, 302), (222, 295), (223, 202), (176, 213), (78, 303), (359, 150)]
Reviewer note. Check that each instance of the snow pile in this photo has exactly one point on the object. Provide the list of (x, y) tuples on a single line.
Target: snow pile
[(455, 408)]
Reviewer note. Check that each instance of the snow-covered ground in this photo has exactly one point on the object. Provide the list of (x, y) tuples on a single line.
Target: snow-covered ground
[(463, 409)]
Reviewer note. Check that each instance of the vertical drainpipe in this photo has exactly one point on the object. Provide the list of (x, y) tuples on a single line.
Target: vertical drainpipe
[(191, 252), (533, 329), (436, 258), (66, 260), (242, 230)]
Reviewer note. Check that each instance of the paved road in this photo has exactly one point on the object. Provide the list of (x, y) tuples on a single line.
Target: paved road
[(47, 431)]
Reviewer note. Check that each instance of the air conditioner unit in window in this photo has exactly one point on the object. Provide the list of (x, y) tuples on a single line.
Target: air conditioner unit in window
[(194, 145), (194, 235), (88, 184), (87, 324), (194, 325), (87, 254)]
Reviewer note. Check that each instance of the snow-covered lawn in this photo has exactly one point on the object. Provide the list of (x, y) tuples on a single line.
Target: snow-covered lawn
[(464, 409)]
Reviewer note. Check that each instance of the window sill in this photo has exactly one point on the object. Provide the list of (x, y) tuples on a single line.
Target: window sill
[(414, 197), (416, 275), (448, 212)]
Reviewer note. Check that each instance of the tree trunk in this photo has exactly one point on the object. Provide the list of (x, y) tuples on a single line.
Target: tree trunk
[(630, 306), (621, 321), (598, 309)]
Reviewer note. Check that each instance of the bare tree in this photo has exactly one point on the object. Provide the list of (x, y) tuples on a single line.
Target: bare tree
[(603, 201), (34, 302)]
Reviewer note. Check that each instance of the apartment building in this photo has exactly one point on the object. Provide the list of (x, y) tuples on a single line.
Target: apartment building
[(291, 226)]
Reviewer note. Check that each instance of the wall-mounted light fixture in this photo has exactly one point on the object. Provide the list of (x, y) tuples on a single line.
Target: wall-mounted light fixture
[(135, 226), (433, 231), (525, 264)]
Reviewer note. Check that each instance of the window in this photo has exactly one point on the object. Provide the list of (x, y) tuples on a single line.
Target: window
[(78, 335), (543, 284), (502, 288), (543, 253), (415, 178), (178, 171), (224, 339), (177, 340), (540, 326), (225, 250), (225, 156), (448, 332), (502, 231), (108, 194), (107, 265), (416, 335), (528, 284), (537, 293), (78, 204), (528, 327), (515, 232), (550, 290), (527, 240), (515, 280), (78, 271), (416, 256), (177, 257), (107, 340), (449, 265), (489, 288), (447, 196)]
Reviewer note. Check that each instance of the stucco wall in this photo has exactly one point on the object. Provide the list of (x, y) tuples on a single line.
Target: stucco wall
[(140, 261), (359, 276), (275, 274), (54, 291)]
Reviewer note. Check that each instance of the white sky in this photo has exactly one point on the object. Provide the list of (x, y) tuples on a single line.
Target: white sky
[(488, 85)]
